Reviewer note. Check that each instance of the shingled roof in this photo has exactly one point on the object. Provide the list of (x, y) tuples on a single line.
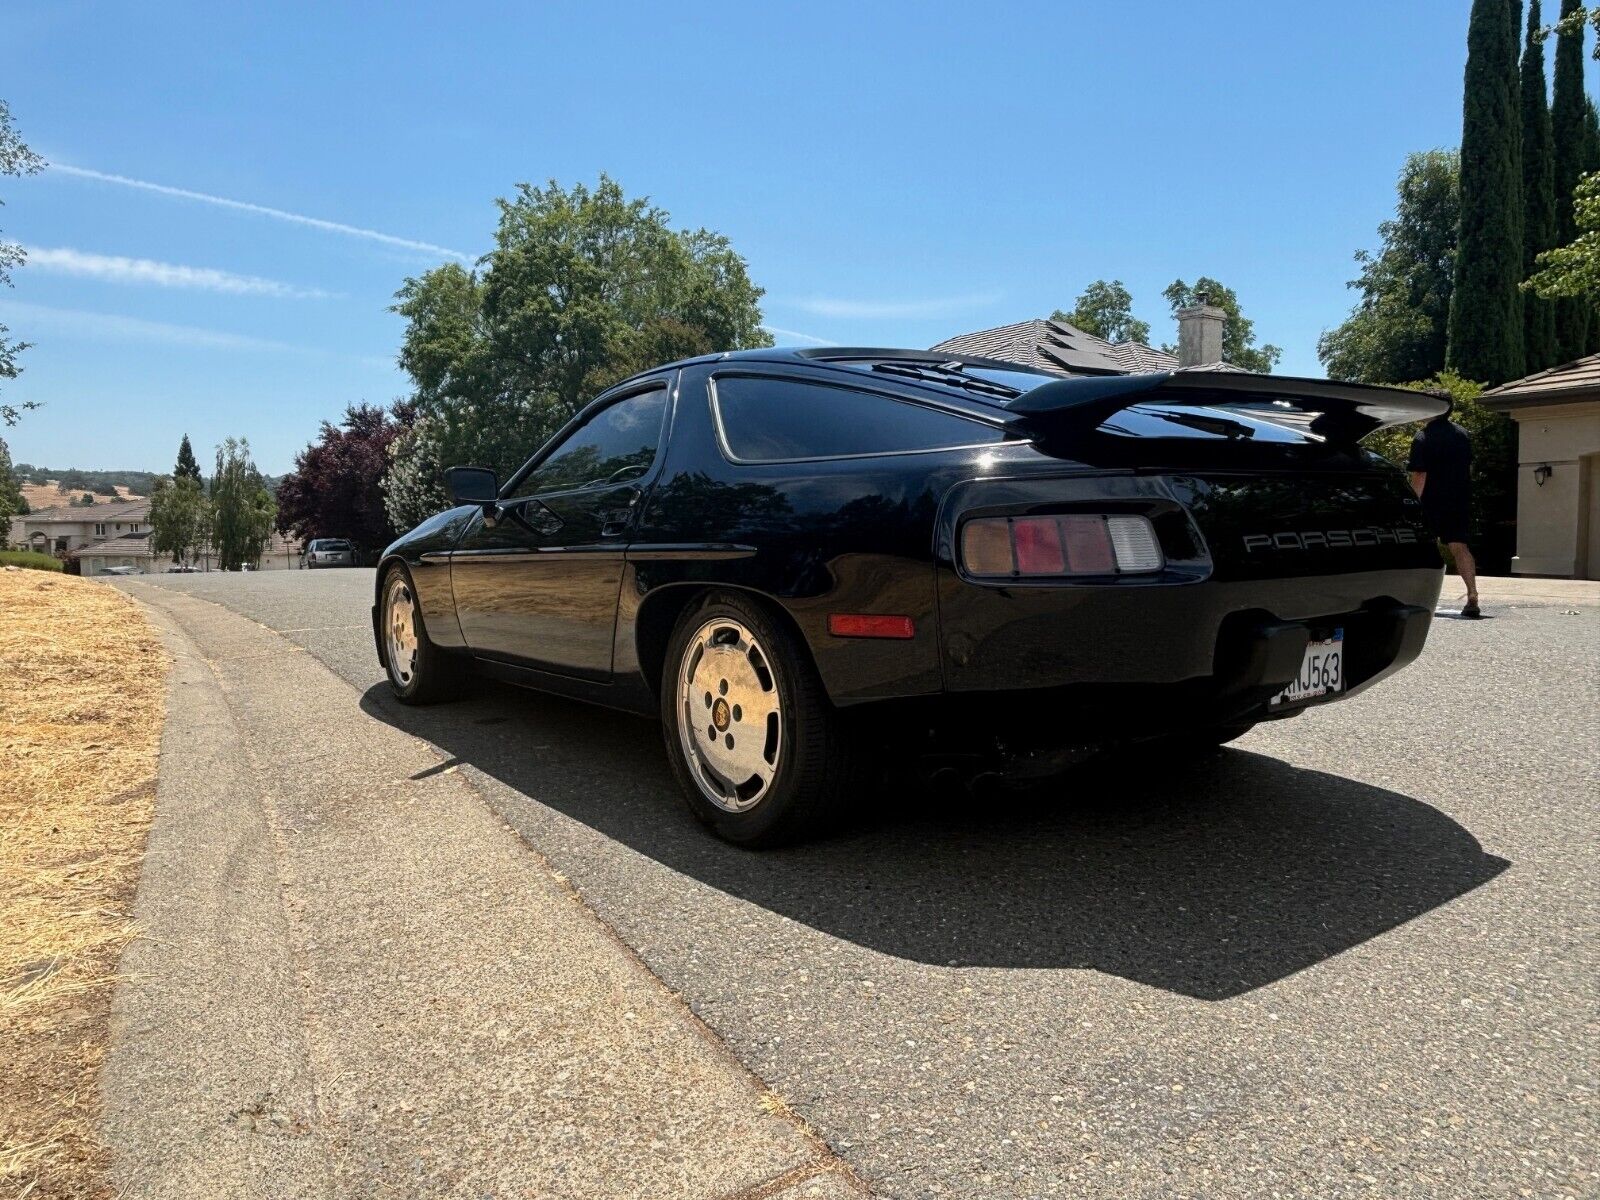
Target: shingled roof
[(1573, 381), (134, 544), (1057, 346), (126, 510)]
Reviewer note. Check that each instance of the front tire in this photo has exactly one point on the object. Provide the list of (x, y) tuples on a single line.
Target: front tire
[(419, 672), (759, 753)]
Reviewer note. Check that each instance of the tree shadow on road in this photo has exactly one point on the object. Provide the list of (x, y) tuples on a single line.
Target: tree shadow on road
[(1208, 881)]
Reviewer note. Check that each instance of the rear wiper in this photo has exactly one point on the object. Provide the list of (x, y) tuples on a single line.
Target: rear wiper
[(1210, 424), (947, 373)]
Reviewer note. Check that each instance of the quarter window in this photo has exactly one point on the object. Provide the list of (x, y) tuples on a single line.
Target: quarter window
[(775, 420), (617, 444)]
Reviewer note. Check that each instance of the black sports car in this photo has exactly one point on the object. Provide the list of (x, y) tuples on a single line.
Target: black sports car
[(811, 562)]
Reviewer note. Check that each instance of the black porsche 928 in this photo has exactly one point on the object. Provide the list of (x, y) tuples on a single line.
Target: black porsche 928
[(812, 562)]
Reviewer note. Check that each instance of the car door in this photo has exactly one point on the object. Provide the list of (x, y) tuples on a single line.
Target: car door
[(536, 584)]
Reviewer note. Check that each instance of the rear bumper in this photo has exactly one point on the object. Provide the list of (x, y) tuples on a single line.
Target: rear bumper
[(1215, 650)]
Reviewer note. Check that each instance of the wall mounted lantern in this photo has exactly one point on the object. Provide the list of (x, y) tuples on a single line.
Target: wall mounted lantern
[(1542, 472)]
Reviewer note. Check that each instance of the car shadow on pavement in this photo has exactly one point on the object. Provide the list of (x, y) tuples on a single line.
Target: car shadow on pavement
[(1208, 880)]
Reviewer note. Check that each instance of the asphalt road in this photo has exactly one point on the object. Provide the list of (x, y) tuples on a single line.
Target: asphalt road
[(1355, 955)]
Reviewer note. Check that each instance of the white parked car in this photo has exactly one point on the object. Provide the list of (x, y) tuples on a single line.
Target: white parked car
[(328, 552)]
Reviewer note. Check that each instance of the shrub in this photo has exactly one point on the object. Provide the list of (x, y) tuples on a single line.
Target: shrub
[(31, 559)]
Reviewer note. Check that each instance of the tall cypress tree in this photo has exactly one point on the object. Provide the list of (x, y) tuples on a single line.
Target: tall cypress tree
[(1539, 345), (1485, 327), (187, 467), (1568, 118)]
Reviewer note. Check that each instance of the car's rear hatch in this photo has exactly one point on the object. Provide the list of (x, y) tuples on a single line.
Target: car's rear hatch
[(1269, 468)]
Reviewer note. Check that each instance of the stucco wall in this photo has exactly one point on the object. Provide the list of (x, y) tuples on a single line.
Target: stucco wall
[(1553, 523)]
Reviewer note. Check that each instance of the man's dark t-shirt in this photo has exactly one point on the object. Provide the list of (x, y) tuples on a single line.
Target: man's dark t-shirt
[(1443, 450)]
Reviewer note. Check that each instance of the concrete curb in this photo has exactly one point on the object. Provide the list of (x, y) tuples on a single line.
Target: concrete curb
[(357, 980)]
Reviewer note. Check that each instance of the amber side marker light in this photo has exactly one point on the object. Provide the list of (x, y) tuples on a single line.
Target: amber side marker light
[(869, 625)]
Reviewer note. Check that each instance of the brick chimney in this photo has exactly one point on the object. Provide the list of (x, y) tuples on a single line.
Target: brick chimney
[(1200, 335)]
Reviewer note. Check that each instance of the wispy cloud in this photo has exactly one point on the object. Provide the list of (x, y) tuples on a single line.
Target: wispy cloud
[(113, 268), (938, 306), (796, 336), (263, 210), (116, 327)]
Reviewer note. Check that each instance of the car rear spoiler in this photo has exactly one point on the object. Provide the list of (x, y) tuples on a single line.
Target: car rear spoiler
[(1338, 412)]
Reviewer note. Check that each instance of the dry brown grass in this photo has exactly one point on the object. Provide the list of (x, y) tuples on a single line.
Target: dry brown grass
[(47, 495), (81, 703)]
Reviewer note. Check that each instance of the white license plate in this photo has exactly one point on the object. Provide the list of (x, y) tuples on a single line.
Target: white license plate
[(1321, 672)]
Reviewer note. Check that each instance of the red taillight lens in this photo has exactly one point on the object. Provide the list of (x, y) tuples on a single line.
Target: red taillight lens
[(1038, 543), (1074, 544), (1088, 546)]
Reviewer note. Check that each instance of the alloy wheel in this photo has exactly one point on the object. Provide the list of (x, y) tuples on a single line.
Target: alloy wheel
[(400, 630), (730, 718)]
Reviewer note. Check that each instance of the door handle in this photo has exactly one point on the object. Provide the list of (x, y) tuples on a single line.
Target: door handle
[(616, 521)]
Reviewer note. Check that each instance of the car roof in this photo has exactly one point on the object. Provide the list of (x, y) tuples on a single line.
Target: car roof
[(828, 355)]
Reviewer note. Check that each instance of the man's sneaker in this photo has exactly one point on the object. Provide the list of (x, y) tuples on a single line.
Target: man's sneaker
[(1470, 611)]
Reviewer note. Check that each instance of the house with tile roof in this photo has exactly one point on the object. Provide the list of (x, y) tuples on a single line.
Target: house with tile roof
[(1049, 344), (1558, 468), (130, 550), (69, 527)]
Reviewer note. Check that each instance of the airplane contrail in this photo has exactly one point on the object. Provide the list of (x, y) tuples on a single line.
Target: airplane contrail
[(263, 210)]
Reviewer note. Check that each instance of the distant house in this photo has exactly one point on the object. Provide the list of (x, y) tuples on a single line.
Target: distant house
[(1051, 345), (130, 550), (282, 553), (118, 535), (1558, 468), (65, 528)]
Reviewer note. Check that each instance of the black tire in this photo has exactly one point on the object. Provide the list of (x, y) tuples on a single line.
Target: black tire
[(814, 769), (435, 674)]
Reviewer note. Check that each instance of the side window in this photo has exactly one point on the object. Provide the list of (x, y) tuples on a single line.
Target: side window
[(771, 420), (617, 444)]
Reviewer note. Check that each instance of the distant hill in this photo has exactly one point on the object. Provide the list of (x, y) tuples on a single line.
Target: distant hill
[(47, 487), (46, 495), (71, 482)]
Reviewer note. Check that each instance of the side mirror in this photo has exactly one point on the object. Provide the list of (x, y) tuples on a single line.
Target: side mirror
[(472, 485)]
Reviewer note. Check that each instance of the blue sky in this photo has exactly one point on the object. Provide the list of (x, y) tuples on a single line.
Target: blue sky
[(894, 173)]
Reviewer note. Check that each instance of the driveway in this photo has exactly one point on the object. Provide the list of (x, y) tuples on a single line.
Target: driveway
[(1354, 955)]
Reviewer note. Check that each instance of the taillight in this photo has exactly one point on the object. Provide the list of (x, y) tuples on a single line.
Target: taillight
[(1074, 544)]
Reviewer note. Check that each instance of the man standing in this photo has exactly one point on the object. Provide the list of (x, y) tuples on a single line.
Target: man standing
[(1441, 475)]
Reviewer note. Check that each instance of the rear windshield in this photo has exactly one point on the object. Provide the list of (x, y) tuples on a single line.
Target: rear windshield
[(329, 544)]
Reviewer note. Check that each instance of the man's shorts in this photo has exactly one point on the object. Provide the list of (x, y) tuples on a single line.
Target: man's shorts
[(1449, 526)]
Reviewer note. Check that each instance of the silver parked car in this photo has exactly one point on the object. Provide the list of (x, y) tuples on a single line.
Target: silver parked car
[(328, 552)]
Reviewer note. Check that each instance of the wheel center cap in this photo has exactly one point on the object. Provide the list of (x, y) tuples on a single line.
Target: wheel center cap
[(719, 714)]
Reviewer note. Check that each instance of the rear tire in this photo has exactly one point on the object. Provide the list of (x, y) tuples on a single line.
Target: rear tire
[(419, 672), (760, 754)]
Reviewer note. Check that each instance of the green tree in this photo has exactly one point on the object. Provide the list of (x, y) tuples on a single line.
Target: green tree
[(583, 288), (180, 518), (1572, 271), (187, 467), (12, 503), (15, 159), (1568, 117), (1397, 330), (1540, 346), (242, 510), (1106, 310), (1485, 329), (1238, 332)]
